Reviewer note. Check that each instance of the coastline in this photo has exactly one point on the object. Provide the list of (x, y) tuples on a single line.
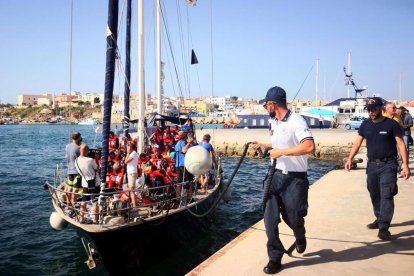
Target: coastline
[(331, 144)]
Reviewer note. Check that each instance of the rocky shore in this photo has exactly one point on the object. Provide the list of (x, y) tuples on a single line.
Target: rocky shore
[(331, 144)]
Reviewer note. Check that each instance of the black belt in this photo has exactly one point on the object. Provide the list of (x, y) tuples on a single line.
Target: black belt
[(299, 174), (382, 160)]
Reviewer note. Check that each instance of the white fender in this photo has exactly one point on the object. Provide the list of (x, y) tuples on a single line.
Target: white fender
[(57, 222), (227, 195), (197, 160)]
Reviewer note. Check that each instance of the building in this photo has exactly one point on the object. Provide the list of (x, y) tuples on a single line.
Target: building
[(31, 100)]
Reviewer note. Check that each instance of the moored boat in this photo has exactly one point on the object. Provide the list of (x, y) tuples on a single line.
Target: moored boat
[(123, 237)]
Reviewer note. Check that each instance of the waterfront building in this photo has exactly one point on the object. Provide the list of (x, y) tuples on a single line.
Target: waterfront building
[(32, 100)]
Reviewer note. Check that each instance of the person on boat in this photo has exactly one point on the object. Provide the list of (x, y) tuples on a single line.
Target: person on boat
[(157, 156), (118, 172), (181, 148), (158, 135), (209, 147), (168, 138), (382, 136), (122, 144), (88, 169), (113, 141), (131, 160), (291, 142), (73, 184)]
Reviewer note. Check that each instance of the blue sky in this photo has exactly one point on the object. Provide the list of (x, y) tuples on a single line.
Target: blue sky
[(256, 45)]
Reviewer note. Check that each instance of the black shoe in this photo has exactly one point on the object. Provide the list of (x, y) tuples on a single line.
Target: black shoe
[(272, 267), (384, 234), (301, 245), (373, 225)]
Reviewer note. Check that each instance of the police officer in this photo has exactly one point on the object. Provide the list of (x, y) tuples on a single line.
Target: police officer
[(288, 194), (383, 135)]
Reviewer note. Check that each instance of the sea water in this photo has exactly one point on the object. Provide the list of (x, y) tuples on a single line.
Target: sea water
[(28, 245)]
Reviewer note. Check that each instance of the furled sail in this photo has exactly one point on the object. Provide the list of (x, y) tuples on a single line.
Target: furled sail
[(111, 47), (126, 120)]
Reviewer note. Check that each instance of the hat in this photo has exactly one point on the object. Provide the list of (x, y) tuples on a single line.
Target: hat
[(373, 103), (275, 94)]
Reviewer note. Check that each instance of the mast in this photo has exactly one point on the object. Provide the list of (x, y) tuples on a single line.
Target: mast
[(349, 73), (127, 72), (70, 54), (317, 81), (141, 92), (158, 58), (111, 46)]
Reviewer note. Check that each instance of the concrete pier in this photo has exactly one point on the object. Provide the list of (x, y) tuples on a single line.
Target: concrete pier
[(332, 144), (338, 241)]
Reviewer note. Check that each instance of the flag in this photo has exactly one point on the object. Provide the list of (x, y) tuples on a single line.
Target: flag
[(194, 59)]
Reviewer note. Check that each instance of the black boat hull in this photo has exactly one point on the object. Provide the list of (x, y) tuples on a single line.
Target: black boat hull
[(131, 250)]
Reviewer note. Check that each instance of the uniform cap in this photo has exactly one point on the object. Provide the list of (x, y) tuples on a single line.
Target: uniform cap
[(275, 94)]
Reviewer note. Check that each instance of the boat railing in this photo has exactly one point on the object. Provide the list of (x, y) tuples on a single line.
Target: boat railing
[(113, 206)]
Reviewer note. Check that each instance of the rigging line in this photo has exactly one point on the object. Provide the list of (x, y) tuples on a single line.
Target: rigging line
[(183, 50), (313, 65), (211, 47), (172, 56), (120, 20), (190, 41), (70, 54), (169, 69)]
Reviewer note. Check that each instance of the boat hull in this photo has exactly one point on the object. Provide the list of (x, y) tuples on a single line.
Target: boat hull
[(133, 249)]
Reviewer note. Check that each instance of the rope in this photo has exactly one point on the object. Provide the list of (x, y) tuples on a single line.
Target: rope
[(313, 65), (214, 206)]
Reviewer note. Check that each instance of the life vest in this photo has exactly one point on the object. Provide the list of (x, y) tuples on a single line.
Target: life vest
[(114, 142), (110, 181)]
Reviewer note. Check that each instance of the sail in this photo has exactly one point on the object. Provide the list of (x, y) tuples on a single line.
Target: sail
[(127, 118), (111, 47)]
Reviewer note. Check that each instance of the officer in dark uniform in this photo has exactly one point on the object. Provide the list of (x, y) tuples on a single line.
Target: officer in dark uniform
[(292, 141), (383, 135)]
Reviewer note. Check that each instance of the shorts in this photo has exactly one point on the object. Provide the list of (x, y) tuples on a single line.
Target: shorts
[(89, 191), (74, 181), (132, 179)]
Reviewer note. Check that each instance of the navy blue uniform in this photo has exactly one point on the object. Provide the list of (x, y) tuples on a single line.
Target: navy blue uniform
[(382, 167)]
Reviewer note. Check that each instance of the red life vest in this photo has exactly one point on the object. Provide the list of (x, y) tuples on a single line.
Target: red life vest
[(114, 142)]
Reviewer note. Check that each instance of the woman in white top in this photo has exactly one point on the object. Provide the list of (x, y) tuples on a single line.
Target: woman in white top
[(131, 160)]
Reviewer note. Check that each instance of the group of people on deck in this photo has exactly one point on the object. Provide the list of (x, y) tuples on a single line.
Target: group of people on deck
[(161, 165)]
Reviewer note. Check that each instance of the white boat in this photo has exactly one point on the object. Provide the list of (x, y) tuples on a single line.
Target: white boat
[(89, 122)]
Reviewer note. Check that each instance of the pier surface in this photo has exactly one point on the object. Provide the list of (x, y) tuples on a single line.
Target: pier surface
[(338, 241)]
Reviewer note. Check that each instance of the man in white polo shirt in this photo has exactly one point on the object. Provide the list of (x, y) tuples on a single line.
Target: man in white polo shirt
[(292, 141)]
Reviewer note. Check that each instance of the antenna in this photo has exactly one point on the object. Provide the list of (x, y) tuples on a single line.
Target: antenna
[(350, 81)]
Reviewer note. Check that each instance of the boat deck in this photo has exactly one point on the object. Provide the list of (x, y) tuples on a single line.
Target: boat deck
[(338, 241)]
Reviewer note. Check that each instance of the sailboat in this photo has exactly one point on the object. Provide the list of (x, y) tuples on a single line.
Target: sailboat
[(123, 238)]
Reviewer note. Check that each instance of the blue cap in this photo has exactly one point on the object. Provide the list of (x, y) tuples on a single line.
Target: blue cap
[(275, 94)]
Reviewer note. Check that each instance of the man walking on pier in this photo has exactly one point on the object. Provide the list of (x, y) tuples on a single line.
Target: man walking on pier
[(383, 135), (291, 141)]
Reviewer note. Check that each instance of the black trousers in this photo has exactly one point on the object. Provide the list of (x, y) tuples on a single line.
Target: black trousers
[(289, 198), (382, 187)]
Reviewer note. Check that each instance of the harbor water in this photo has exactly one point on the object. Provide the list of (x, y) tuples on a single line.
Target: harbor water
[(28, 156)]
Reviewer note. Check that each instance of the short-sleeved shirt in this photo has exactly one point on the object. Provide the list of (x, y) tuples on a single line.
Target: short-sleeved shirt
[(380, 138), (179, 154), (287, 133), (72, 152), (207, 146), (132, 166), (87, 167)]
